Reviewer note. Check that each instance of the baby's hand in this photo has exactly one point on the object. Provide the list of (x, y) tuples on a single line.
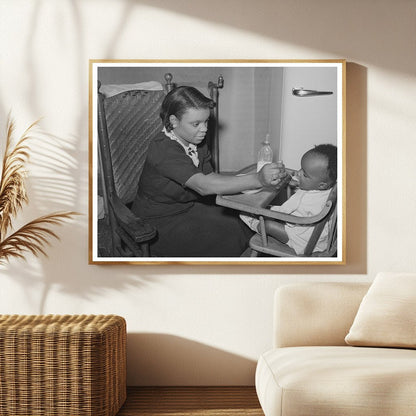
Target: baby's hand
[(271, 174)]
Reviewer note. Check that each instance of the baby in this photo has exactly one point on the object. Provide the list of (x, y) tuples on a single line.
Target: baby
[(318, 174)]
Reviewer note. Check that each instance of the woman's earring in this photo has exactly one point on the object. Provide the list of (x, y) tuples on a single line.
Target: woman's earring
[(173, 121)]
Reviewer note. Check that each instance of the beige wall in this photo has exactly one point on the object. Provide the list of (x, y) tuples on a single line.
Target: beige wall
[(204, 324)]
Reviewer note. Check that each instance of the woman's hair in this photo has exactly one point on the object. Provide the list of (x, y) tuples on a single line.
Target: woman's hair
[(179, 100)]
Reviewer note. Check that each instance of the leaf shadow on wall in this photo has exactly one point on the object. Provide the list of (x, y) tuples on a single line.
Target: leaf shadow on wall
[(337, 28), (53, 187), (65, 186), (163, 359)]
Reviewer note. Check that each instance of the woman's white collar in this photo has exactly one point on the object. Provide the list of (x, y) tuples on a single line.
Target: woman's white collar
[(190, 149)]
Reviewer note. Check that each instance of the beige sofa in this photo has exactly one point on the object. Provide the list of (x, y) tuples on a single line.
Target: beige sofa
[(311, 370)]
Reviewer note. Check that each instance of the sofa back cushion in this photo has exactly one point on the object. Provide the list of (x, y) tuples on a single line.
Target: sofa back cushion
[(315, 313), (387, 314)]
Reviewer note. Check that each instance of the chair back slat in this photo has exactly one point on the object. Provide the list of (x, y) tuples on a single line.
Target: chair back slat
[(333, 234), (132, 120)]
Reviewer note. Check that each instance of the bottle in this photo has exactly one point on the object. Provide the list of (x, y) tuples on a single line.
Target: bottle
[(265, 154)]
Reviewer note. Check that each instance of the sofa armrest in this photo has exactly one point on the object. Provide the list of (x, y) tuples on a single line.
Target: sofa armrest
[(308, 314)]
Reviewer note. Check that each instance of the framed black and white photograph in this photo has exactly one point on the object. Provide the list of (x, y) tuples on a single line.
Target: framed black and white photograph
[(217, 162)]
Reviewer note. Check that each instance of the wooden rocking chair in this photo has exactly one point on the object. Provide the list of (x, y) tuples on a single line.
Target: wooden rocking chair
[(127, 123)]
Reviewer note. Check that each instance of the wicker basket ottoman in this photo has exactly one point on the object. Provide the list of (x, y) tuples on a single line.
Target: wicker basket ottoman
[(71, 365)]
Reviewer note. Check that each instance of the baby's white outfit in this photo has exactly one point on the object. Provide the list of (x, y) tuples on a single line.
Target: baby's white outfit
[(302, 204)]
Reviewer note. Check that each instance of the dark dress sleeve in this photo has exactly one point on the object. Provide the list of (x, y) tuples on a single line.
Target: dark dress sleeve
[(174, 164)]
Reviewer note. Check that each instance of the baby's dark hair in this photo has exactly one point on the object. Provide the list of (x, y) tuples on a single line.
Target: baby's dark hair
[(179, 100), (330, 152)]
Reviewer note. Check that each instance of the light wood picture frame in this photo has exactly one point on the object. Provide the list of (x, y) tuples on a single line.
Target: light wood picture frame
[(297, 104)]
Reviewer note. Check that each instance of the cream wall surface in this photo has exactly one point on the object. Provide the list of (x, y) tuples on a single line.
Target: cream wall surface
[(196, 325)]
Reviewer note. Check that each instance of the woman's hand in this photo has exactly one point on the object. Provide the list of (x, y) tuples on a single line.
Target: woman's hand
[(271, 174)]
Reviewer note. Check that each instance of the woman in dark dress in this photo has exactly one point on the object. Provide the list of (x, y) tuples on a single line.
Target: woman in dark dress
[(177, 184)]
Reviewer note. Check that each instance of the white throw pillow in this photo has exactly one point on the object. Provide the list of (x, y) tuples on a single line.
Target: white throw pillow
[(387, 314)]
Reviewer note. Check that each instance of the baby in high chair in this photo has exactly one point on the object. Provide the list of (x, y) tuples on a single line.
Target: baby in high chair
[(318, 174)]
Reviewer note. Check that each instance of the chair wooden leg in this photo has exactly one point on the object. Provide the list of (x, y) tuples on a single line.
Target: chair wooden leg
[(145, 249)]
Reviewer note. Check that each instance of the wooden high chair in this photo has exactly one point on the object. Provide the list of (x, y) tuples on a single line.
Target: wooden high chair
[(263, 243)]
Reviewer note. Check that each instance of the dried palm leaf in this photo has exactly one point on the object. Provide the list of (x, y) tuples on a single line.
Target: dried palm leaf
[(32, 237), (35, 235), (12, 183)]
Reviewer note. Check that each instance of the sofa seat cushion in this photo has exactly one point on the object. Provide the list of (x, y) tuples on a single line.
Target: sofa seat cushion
[(342, 380)]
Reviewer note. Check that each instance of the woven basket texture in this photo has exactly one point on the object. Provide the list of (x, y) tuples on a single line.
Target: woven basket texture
[(54, 365)]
